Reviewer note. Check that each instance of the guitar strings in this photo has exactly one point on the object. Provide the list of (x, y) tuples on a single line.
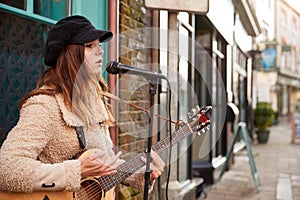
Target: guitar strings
[(89, 192), (94, 189)]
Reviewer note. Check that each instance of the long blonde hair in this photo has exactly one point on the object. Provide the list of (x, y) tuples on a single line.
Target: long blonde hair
[(70, 79)]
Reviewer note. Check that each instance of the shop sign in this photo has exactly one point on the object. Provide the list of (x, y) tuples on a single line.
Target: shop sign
[(195, 6), (269, 58), (286, 48)]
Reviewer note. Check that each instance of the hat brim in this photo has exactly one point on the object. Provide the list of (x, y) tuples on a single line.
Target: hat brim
[(91, 35)]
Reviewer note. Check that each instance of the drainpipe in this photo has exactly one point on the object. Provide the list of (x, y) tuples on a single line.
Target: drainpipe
[(113, 12)]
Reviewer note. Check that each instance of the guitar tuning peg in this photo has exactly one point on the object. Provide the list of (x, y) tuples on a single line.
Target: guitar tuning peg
[(189, 115), (193, 111), (199, 133), (197, 108), (207, 127)]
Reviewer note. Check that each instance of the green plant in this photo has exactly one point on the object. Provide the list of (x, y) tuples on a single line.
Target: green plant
[(263, 115)]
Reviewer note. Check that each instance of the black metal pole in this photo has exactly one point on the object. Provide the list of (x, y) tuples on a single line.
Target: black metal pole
[(152, 91)]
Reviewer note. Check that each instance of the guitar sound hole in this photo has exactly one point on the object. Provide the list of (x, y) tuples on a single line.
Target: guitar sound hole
[(90, 189)]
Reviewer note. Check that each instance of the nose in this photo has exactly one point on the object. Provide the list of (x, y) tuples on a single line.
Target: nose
[(99, 51)]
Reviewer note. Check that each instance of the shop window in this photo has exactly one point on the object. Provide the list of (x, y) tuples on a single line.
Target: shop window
[(21, 4), (184, 95), (54, 9), (283, 18), (181, 86)]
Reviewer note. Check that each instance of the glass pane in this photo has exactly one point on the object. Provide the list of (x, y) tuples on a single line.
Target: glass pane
[(54, 9), (14, 3), (183, 147)]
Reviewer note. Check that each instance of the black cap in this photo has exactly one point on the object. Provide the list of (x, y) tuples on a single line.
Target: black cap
[(71, 30)]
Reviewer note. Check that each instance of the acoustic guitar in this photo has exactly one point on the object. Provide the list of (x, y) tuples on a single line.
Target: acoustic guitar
[(102, 188)]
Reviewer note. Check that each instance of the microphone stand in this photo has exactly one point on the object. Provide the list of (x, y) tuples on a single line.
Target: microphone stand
[(152, 91)]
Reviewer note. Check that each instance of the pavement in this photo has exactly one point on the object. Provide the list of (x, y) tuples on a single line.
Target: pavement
[(278, 168)]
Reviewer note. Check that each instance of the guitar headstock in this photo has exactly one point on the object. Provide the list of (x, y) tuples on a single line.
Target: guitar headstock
[(199, 118)]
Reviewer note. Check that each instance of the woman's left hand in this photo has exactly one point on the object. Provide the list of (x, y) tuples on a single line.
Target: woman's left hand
[(157, 165)]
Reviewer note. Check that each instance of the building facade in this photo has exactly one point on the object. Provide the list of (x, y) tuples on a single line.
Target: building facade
[(207, 58), (276, 77), (287, 61)]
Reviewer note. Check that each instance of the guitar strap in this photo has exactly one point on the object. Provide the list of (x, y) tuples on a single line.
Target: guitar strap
[(81, 139), (80, 136)]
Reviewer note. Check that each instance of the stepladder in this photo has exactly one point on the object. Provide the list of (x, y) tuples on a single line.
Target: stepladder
[(244, 135)]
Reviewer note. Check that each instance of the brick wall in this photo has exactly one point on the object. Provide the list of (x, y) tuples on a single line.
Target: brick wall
[(133, 124)]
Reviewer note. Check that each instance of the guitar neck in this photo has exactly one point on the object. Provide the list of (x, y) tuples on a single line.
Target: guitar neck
[(177, 136), (135, 163)]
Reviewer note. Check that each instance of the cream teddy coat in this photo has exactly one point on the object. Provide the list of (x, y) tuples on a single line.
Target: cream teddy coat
[(38, 151)]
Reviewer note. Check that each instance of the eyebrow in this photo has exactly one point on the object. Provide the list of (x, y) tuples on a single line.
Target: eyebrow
[(88, 43)]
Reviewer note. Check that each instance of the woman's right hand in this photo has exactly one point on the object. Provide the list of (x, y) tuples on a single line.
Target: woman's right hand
[(99, 163)]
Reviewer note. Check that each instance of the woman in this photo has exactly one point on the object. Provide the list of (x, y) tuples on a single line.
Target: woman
[(63, 116)]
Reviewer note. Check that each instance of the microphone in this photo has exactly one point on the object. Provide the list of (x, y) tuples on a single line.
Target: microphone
[(114, 67)]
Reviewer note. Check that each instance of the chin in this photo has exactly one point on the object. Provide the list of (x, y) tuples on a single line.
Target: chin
[(98, 73)]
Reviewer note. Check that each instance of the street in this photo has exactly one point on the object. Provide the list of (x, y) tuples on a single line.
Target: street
[(278, 166)]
